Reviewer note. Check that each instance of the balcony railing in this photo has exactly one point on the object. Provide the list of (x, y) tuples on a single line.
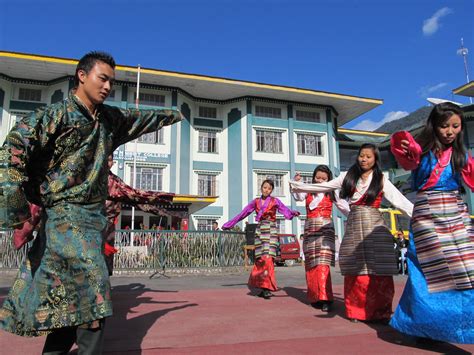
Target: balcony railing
[(152, 250)]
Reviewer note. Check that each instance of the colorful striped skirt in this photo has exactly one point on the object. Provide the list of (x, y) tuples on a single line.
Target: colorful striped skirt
[(444, 240), (367, 247), (319, 242), (266, 239)]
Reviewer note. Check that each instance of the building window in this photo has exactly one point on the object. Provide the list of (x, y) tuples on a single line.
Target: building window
[(280, 226), (278, 190), (207, 142), (267, 111), (207, 112), (308, 116), (309, 144), (29, 94), (153, 137), (151, 99), (269, 142), (205, 224), (207, 185), (307, 179), (149, 178)]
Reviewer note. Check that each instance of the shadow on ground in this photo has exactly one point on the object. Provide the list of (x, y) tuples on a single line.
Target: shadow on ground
[(390, 335), (129, 330), (300, 295)]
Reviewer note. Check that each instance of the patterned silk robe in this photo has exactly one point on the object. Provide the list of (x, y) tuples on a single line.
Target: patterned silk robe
[(57, 158)]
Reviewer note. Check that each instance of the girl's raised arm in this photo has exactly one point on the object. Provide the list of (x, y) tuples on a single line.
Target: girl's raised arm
[(406, 150), (285, 211), (244, 213), (327, 186)]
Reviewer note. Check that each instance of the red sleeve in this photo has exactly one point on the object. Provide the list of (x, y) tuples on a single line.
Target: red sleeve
[(411, 159), (25, 234), (468, 173), (119, 191)]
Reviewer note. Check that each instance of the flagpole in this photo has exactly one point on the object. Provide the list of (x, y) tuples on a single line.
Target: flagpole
[(134, 184)]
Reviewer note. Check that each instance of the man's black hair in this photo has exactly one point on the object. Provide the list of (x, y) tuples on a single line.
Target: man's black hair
[(88, 61)]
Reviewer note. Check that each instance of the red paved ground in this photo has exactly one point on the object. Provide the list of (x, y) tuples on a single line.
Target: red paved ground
[(229, 321)]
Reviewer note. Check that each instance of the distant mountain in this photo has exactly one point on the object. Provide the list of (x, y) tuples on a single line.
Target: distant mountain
[(414, 119)]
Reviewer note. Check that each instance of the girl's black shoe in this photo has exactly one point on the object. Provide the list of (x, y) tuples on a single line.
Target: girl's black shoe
[(267, 294), (326, 307)]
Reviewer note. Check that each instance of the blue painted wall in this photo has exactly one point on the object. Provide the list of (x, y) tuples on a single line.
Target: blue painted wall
[(250, 148), (234, 161), (291, 151), (185, 151)]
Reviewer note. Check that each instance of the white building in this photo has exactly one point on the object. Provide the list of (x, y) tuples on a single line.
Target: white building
[(236, 133)]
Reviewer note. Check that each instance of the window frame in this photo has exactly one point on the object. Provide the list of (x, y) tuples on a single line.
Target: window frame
[(307, 119), (159, 137), (301, 143), (28, 92), (159, 178), (270, 111), (211, 188), (262, 135), (201, 140), (203, 114)]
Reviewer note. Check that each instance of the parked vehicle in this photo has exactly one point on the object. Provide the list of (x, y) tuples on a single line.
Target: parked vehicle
[(288, 251), (396, 222), (399, 226)]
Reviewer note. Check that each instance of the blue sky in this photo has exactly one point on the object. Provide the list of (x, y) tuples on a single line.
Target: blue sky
[(398, 51)]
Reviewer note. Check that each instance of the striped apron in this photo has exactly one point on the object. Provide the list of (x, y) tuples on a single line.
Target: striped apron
[(444, 240), (367, 247), (319, 243), (266, 239)]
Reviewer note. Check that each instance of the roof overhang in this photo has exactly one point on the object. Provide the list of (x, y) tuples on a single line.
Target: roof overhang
[(465, 90), (45, 68), (195, 203)]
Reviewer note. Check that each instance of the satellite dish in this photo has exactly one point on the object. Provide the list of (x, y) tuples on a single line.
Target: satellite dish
[(434, 101)]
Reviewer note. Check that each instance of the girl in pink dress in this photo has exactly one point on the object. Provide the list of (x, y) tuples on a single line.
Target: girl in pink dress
[(266, 238)]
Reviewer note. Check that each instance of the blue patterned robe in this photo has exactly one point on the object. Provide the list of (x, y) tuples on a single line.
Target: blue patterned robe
[(57, 158)]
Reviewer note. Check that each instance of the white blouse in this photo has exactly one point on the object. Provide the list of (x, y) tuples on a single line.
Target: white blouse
[(390, 192)]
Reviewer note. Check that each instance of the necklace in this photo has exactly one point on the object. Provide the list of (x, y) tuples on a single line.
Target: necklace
[(442, 164)]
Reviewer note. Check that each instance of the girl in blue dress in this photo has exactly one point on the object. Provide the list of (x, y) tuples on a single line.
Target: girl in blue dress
[(438, 300)]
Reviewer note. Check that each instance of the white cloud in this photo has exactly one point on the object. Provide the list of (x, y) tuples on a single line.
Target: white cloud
[(370, 125), (427, 90), (431, 25)]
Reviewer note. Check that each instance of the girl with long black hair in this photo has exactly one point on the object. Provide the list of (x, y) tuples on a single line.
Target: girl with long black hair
[(366, 257), (438, 299)]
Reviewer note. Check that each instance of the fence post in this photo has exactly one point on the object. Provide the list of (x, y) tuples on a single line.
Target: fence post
[(220, 249), (162, 250)]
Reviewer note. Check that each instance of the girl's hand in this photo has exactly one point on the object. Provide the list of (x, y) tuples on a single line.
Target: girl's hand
[(404, 145), (297, 177)]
